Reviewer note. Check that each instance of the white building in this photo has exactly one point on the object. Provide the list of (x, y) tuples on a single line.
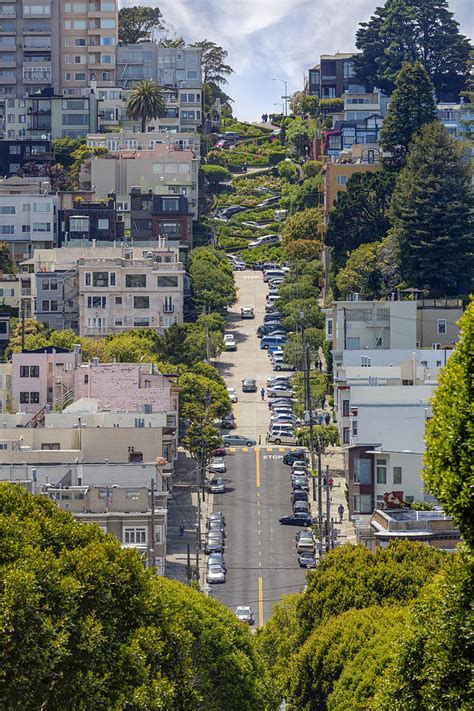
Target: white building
[(28, 220)]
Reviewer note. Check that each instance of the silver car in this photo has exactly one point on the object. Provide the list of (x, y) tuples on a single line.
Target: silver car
[(215, 573), (217, 466), (244, 614)]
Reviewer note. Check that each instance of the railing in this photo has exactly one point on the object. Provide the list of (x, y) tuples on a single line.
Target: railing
[(37, 419)]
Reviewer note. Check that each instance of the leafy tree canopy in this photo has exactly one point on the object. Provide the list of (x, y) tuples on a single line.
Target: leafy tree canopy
[(214, 65), (78, 608), (411, 107), (7, 264), (146, 102), (298, 133), (215, 174), (448, 471), (306, 225), (360, 214), (307, 194), (407, 31), (287, 171), (139, 23), (212, 280), (431, 213)]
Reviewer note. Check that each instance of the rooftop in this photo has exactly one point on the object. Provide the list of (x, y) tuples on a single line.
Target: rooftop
[(392, 395)]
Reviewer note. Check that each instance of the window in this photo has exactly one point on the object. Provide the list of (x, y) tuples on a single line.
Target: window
[(135, 281), (34, 398), (363, 503), (159, 534), (345, 435), (170, 229), (50, 446), (107, 24), (168, 306), (397, 475), (381, 469), (441, 326), (78, 76), (134, 535), (96, 302), (118, 300), (41, 207), (79, 42), (354, 427), (7, 229), (41, 227), (29, 371), (132, 495), (167, 282), (96, 322), (170, 205), (118, 322), (329, 327), (341, 179), (345, 408), (24, 398), (139, 422), (362, 471), (141, 302), (49, 305), (141, 322), (100, 279), (79, 224), (8, 209), (192, 74)]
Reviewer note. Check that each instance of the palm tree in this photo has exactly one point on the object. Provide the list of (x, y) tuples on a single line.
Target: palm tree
[(146, 102)]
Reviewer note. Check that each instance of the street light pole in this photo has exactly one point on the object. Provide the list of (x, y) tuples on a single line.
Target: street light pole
[(286, 97)]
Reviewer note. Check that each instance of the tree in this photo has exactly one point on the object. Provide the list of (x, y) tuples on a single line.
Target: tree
[(215, 174), (411, 30), (450, 433), (58, 176), (212, 280), (287, 171), (139, 23), (146, 102), (7, 264), (360, 214), (304, 225), (309, 193), (431, 215), (177, 41), (298, 134), (312, 168), (213, 62), (64, 148), (411, 107), (302, 249), (361, 273), (78, 608)]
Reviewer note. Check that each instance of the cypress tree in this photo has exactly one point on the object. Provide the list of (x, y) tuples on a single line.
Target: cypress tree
[(431, 214), (411, 107)]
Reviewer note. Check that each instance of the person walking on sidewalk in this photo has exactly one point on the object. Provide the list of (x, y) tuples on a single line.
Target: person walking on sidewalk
[(262, 393), (340, 511), (327, 418)]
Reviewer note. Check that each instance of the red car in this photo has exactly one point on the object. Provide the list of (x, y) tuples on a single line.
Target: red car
[(219, 451)]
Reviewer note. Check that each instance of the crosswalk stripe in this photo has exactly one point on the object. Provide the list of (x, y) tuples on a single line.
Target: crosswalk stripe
[(269, 449), (232, 449), (281, 449), (245, 449)]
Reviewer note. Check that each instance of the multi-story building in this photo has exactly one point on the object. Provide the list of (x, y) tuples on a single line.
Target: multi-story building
[(155, 216), (165, 170), (58, 45), (457, 118), (57, 299), (89, 220), (434, 528), (345, 134), (5, 387), (359, 106), (333, 76), (15, 152), (437, 322), (337, 173), (355, 325), (177, 69), (9, 290), (129, 139), (28, 220)]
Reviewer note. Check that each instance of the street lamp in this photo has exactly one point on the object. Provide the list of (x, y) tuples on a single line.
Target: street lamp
[(277, 103), (286, 97)]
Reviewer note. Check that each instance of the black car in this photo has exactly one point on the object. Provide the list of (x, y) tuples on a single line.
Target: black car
[(296, 519), (294, 456), (300, 483), (299, 495), (272, 316), (249, 385)]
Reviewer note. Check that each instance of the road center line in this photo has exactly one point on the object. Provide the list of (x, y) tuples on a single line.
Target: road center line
[(257, 468), (260, 601)]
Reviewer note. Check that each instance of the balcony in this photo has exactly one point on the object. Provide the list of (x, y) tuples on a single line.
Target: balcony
[(25, 291)]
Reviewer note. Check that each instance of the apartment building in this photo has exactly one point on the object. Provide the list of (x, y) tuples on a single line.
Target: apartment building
[(122, 293), (333, 76), (130, 139), (28, 220), (43, 377), (156, 216), (165, 170), (177, 69), (345, 134), (355, 325), (88, 220), (457, 119), (433, 528), (437, 322), (9, 290), (88, 40), (5, 386), (336, 174)]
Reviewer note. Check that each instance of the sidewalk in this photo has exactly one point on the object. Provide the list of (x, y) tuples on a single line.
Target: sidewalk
[(183, 510)]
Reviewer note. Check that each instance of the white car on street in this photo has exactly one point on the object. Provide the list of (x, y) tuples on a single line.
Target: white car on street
[(232, 394), (217, 466), (229, 342)]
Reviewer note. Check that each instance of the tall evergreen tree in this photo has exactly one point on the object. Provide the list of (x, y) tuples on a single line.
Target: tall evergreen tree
[(431, 213), (409, 30), (412, 106)]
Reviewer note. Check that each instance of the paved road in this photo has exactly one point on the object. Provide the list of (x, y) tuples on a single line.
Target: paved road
[(260, 553)]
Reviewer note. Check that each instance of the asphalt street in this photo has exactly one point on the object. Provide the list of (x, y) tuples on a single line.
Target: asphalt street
[(260, 553)]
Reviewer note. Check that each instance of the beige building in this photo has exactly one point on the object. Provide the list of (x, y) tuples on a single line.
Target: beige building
[(336, 176), (5, 386), (165, 170), (436, 322), (9, 290)]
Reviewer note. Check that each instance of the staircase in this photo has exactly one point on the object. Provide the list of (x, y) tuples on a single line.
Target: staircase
[(37, 419)]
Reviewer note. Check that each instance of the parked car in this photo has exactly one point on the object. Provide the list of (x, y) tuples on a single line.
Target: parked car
[(217, 486), (300, 482), (217, 559), (294, 455), (219, 451), (228, 422), (218, 526), (232, 135), (271, 328), (232, 394), (273, 273), (269, 201), (299, 496), (296, 519), (306, 560), (275, 341), (281, 436), (247, 312), (244, 614), (214, 543), (299, 465), (272, 316), (238, 440), (229, 342), (265, 239), (274, 379), (217, 466), (280, 365), (216, 516), (238, 267), (300, 506), (249, 385), (279, 391), (215, 574)]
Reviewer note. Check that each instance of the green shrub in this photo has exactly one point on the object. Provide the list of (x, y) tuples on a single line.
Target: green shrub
[(276, 157)]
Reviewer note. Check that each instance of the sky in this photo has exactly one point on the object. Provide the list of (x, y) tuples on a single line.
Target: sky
[(275, 39)]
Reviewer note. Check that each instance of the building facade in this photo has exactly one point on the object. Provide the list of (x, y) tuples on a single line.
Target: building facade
[(156, 216), (336, 175), (27, 221), (333, 76)]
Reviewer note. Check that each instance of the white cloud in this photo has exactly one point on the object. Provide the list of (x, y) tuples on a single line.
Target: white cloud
[(275, 38)]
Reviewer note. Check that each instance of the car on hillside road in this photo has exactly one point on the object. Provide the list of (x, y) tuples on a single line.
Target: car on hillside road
[(279, 391), (215, 574), (229, 342), (238, 441), (296, 519), (307, 560), (219, 451), (216, 516), (217, 466), (249, 385), (244, 614), (217, 486), (294, 455), (232, 394), (247, 312)]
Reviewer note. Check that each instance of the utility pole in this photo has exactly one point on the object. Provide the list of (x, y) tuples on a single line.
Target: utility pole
[(328, 511), (199, 473), (22, 325), (152, 525), (307, 399), (188, 564)]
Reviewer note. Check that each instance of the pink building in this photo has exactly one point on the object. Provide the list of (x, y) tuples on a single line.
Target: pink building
[(43, 377), (126, 387)]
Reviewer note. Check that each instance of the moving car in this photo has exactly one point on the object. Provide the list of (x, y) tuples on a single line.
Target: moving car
[(217, 466), (228, 422), (217, 486), (231, 135), (265, 239), (232, 394), (247, 312), (306, 560), (238, 440), (229, 342), (269, 201), (295, 455), (215, 573), (249, 385), (296, 519), (244, 614)]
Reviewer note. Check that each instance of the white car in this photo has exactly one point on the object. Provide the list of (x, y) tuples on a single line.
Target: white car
[(229, 342), (281, 437), (215, 574), (244, 614), (232, 394), (217, 466), (279, 391), (282, 365), (247, 312)]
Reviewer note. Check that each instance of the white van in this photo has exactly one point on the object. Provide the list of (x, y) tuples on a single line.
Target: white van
[(280, 215)]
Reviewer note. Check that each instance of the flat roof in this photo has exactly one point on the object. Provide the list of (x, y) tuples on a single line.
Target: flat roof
[(392, 394)]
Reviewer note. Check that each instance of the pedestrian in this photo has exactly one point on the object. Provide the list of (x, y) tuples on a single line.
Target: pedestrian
[(262, 393), (181, 529), (320, 419), (327, 418), (330, 482), (260, 439), (340, 511), (244, 167)]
